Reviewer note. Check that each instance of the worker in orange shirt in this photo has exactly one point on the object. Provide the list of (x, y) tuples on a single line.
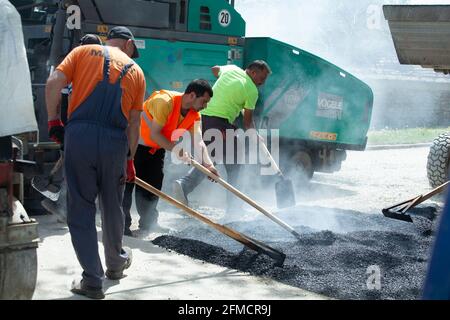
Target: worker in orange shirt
[(108, 90), (167, 116)]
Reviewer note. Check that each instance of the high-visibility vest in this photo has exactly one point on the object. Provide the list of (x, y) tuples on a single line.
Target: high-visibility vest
[(171, 128)]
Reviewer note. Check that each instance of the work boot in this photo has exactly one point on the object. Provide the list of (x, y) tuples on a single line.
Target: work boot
[(118, 274), (78, 287), (178, 192)]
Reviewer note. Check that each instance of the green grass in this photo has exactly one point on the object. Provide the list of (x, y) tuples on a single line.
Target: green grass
[(404, 136)]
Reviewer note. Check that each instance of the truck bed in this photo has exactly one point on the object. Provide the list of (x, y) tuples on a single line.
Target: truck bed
[(421, 34)]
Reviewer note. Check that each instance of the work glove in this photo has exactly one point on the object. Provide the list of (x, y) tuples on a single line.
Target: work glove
[(56, 131), (131, 171)]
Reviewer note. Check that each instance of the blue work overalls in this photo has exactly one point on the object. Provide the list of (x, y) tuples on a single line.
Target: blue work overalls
[(96, 147)]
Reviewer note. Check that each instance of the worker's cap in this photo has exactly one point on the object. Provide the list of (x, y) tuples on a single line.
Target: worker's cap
[(90, 39), (123, 33)]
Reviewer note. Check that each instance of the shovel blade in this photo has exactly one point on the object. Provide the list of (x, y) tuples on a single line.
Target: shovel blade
[(45, 187), (262, 248), (397, 215), (285, 194)]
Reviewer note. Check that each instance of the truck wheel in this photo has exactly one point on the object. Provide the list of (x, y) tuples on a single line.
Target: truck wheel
[(438, 161), (303, 163), (298, 167)]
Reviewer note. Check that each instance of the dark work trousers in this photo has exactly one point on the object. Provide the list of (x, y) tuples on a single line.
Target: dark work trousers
[(437, 281), (96, 146), (194, 177), (149, 168)]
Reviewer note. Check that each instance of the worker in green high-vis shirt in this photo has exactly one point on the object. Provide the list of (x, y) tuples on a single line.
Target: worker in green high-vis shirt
[(234, 91)]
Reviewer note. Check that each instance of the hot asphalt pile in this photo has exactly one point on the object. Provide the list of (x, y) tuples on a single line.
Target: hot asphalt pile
[(336, 256)]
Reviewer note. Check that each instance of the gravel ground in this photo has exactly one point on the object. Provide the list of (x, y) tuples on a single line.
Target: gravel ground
[(344, 234)]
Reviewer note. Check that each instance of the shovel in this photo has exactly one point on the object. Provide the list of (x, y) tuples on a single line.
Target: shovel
[(284, 189), (45, 185), (255, 245), (229, 187), (399, 210)]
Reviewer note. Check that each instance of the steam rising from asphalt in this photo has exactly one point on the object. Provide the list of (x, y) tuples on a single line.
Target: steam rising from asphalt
[(339, 244), (355, 36)]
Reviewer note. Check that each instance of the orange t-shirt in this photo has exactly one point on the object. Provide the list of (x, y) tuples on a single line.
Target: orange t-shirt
[(83, 66)]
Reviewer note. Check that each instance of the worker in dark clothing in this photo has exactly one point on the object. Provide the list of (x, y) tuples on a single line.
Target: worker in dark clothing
[(103, 127), (167, 115), (90, 38)]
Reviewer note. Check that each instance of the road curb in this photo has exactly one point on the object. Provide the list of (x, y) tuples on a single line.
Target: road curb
[(398, 146)]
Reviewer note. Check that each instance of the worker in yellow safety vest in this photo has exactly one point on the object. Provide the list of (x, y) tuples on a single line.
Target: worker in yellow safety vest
[(167, 116)]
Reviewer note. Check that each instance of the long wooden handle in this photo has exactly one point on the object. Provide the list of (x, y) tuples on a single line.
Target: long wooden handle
[(405, 206), (435, 191), (422, 198), (57, 166), (245, 240), (255, 205), (269, 156)]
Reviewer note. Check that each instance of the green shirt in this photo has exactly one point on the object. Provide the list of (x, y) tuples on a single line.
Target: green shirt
[(233, 91)]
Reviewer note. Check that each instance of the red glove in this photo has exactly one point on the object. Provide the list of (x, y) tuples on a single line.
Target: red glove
[(131, 171), (56, 131)]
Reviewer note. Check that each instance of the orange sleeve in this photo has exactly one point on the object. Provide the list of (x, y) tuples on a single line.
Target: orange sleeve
[(140, 92)]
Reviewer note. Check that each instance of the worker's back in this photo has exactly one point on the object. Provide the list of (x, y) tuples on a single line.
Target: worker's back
[(84, 68), (233, 91)]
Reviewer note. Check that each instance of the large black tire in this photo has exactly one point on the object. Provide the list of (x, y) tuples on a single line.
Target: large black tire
[(304, 164), (438, 160)]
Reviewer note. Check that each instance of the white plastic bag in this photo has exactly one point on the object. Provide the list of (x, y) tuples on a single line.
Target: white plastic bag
[(16, 100)]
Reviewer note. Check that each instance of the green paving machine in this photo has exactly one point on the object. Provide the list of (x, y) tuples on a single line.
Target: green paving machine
[(320, 110)]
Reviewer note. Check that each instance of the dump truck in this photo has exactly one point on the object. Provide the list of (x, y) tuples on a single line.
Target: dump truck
[(320, 110), (421, 35)]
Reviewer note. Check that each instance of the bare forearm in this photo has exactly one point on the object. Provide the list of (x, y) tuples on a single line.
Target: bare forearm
[(201, 152), (249, 125), (206, 159), (133, 131), (55, 83), (248, 120), (53, 104), (162, 141), (133, 138)]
